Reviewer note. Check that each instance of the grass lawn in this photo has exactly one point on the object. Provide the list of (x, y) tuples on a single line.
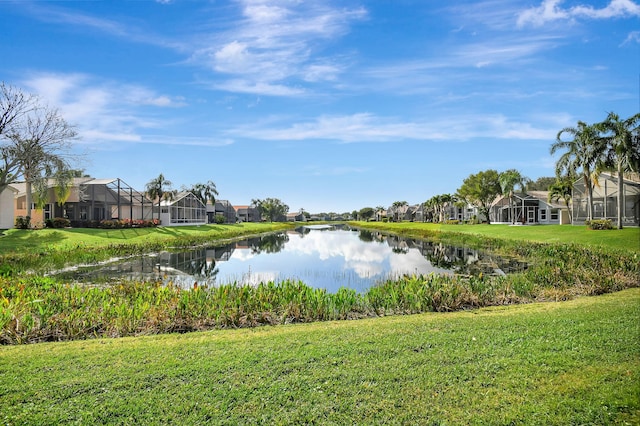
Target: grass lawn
[(626, 238), (16, 240), (575, 362)]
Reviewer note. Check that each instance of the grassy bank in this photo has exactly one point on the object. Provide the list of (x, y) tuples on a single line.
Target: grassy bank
[(617, 239), (574, 362), (48, 249), (36, 309)]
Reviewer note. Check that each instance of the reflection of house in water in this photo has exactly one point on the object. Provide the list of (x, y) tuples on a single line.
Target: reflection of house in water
[(461, 260)]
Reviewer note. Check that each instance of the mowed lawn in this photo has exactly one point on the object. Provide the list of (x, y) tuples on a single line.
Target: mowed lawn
[(626, 238), (15, 240), (575, 362)]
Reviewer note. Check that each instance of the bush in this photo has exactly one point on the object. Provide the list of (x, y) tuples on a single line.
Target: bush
[(219, 219), (128, 223), (599, 224), (452, 222), (23, 222), (58, 222)]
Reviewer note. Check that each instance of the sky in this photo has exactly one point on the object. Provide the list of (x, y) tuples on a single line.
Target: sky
[(327, 105)]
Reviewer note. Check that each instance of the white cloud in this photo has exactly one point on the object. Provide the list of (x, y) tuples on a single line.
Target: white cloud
[(633, 37), (273, 45), (366, 127), (258, 88), (551, 10), (101, 110)]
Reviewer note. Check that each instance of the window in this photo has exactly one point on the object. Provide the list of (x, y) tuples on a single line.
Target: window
[(543, 214), (554, 214), (83, 212)]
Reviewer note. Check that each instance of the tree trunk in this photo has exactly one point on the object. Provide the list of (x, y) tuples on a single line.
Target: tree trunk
[(587, 187), (620, 194), (28, 197)]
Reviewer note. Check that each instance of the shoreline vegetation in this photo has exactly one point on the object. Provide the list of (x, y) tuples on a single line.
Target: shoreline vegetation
[(34, 308), (575, 362)]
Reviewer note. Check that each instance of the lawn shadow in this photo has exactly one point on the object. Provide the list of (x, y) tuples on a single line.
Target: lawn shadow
[(29, 240)]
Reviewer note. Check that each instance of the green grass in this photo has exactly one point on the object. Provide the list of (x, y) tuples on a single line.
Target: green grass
[(575, 362), (626, 238), (17, 240)]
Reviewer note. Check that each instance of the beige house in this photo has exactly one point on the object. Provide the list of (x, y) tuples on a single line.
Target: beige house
[(90, 200)]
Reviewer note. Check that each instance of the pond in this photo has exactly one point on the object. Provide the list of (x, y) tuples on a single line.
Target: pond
[(322, 256)]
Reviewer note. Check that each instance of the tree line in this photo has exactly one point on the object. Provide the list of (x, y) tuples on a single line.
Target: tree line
[(586, 151)]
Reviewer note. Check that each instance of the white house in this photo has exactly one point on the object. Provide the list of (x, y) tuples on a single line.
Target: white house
[(184, 209), (7, 207)]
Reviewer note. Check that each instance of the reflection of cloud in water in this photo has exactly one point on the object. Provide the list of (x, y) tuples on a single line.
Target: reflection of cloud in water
[(412, 262), (242, 255), (364, 260), (365, 269)]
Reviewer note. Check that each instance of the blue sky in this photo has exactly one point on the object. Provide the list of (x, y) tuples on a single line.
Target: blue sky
[(327, 105)]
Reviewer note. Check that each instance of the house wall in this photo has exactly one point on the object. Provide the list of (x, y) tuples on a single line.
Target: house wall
[(7, 203)]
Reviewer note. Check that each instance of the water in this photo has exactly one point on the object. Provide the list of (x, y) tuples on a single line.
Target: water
[(322, 256)]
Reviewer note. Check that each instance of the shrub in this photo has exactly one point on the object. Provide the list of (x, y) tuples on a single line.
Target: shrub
[(23, 222), (599, 224), (452, 222), (59, 222), (219, 219)]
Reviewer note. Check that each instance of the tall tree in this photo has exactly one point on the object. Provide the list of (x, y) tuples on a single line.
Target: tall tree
[(272, 208), (622, 151), (159, 189), (15, 105), (542, 183), (562, 190), (365, 213), (481, 190), (509, 180), (397, 206), (41, 146), (205, 192), (582, 151)]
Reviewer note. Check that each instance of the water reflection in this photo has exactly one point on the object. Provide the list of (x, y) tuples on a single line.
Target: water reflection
[(321, 256)]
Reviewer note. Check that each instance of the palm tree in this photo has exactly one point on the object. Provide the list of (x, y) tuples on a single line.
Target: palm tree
[(582, 152), (622, 151), (205, 192), (445, 200), (562, 190), (509, 179), (159, 188), (396, 206)]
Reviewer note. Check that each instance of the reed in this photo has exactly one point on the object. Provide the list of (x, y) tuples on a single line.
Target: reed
[(36, 308)]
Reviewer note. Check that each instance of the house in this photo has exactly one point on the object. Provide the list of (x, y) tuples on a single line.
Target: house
[(296, 217), (184, 209), (531, 207), (605, 199), (88, 200), (248, 214), (221, 208), (7, 210)]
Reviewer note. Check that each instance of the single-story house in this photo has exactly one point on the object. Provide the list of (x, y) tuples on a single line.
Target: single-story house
[(296, 217), (89, 200), (184, 209), (531, 207)]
